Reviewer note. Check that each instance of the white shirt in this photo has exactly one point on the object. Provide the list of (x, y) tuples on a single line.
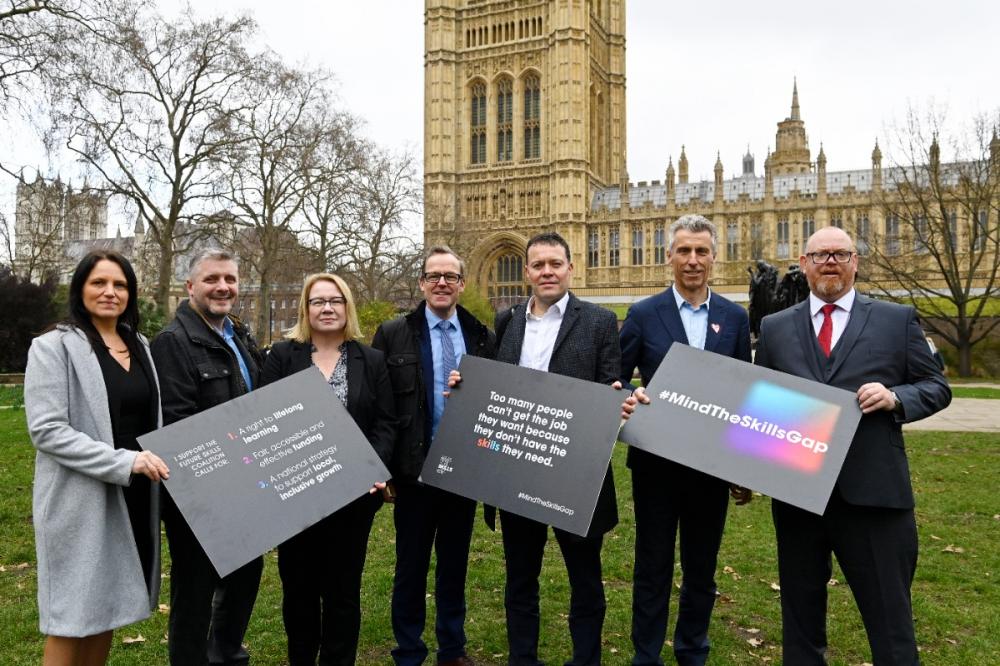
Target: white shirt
[(840, 315), (540, 334)]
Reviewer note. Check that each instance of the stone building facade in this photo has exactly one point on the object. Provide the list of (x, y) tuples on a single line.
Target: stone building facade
[(525, 131)]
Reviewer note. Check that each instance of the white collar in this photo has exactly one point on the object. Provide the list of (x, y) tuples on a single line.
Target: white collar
[(845, 302), (559, 307)]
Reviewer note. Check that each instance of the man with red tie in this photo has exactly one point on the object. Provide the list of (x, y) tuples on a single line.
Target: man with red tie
[(876, 349)]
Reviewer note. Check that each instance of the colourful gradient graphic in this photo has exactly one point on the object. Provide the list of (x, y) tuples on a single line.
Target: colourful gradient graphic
[(792, 412)]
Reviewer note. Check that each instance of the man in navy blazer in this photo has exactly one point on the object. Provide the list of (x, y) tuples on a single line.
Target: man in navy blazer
[(668, 494), (876, 349)]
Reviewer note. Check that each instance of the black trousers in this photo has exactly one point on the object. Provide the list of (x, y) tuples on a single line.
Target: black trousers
[(669, 496), (523, 547), (208, 614), (320, 571), (429, 519), (877, 551)]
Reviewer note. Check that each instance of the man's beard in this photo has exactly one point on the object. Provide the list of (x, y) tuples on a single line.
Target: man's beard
[(830, 285)]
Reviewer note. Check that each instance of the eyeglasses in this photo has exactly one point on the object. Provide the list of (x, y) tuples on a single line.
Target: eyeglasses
[(450, 278), (323, 302), (839, 256)]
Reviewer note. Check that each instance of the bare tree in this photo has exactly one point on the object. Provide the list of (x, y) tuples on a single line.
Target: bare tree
[(31, 32), (937, 246), (265, 171), (378, 248), (147, 105), (331, 173)]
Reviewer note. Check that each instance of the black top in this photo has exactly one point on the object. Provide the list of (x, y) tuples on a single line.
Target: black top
[(129, 397), (132, 406)]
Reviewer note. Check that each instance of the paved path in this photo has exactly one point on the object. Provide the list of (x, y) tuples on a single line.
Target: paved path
[(964, 415)]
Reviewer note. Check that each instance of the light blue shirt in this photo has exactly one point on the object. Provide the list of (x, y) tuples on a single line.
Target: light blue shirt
[(458, 342), (694, 319), (229, 335)]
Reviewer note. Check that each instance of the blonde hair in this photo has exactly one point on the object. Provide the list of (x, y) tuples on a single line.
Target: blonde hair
[(302, 331)]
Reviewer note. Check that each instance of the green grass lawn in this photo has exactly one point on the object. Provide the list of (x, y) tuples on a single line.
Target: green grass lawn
[(981, 392), (956, 594), (12, 396)]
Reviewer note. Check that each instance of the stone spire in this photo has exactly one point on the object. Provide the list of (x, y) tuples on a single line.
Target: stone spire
[(682, 165), (876, 156), (718, 176), (748, 169), (795, 100), (791, 150), (670, 176)]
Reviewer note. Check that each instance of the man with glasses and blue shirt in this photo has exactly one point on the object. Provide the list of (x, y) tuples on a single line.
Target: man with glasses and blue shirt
[(669, 496), (421, 349)]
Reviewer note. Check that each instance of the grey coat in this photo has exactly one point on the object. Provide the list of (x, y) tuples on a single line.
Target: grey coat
[(89, 573)]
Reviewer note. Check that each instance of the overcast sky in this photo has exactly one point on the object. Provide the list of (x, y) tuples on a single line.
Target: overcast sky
[(712, 76)]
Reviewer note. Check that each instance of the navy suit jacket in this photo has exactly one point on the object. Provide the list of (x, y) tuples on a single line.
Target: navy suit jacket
[(586, 347), (654, 324), (883, 343)]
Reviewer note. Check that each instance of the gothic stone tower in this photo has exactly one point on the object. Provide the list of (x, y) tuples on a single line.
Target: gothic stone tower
[(524, 118)]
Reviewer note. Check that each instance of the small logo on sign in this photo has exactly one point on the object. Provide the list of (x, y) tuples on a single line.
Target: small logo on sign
[(445, 465)]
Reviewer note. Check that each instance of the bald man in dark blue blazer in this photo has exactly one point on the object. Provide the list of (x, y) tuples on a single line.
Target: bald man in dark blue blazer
[(876, 349), (669, 495)]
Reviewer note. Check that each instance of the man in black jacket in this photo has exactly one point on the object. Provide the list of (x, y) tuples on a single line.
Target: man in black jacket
[(205, 357), (421, 349), (557, 332)]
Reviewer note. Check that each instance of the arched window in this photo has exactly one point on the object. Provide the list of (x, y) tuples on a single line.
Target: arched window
[(659, 245), (477, 121), (863, 234), (808, 229), (891, 235), (732, 241), (532, 117), (505, 120), (614, 247), (506, 281), (637, 242), (783, 237), (593, 249)]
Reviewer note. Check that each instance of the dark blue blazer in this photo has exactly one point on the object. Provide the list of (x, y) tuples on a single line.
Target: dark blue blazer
[(654, 324), (883, 342)]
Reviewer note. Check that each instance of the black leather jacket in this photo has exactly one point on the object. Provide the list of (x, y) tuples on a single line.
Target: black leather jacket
[(400, 340), (196, 368)]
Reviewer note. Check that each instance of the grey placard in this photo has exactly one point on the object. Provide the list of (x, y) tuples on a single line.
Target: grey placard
[(533, 443), (254, 471), (778, 434)]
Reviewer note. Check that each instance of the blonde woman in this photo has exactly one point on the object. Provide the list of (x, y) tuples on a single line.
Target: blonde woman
[(321, 567)]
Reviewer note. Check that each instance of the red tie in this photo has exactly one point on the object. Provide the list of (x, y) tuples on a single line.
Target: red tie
[(826, 329)]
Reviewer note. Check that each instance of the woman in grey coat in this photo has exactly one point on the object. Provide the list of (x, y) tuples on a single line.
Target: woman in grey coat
[(89, 391)]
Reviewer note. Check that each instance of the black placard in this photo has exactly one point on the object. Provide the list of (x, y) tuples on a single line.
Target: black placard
[(254, 471), (778, 434), (533, 443)]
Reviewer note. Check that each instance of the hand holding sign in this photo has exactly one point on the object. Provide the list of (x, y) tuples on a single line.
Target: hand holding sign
[(781, 435), (533, 443), (254, 471)]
